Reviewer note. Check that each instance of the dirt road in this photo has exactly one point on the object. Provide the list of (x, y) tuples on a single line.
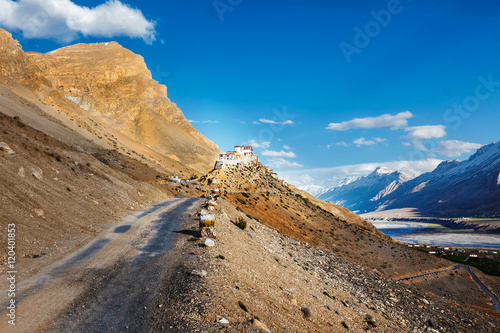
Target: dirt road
[(108, 284), (481, 285)]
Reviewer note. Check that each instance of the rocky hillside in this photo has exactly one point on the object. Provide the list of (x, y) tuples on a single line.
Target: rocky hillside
[(260, 280), (365, 192), (454, 188), (259, 195), (108, 92)]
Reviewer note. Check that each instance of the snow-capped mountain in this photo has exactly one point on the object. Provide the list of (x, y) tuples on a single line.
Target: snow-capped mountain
[(360, 195), (314, 190), (456, 188)]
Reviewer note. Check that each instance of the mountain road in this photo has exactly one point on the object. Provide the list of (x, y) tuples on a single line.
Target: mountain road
[(108, 284)]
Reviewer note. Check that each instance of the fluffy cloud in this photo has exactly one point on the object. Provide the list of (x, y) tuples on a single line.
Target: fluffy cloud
[(65, 21), (332, 176), (281, 163), (426, 132), (342, 143), (386, 120), (282, 153), (274, 122), (286, 147), (258, 144), (363, 142), (454, 148)]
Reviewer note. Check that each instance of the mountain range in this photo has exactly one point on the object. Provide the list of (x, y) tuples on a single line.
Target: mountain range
[(453, 188), (360, 195)]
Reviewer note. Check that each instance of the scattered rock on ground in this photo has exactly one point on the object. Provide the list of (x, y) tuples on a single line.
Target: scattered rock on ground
[(242, 306), (306, 311), (200, 273), (37, 173), (4, 148), (259, 325)]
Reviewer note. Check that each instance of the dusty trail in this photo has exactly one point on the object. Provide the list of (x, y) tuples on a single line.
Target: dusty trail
[(106, 285)]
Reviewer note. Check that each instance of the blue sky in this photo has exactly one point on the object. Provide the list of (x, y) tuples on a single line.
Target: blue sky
[(325, 89)]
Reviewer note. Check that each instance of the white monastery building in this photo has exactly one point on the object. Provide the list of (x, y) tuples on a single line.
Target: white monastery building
[(240, 155)]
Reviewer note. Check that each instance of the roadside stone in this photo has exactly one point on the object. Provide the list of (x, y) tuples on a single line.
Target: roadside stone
[(223, 320), (425, 301), (209, 242), (393, 299), (208, 232), (39, 211), (200, 273)]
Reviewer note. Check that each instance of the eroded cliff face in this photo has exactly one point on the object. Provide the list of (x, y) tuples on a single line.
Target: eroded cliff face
[(14, 64), (109, 88)]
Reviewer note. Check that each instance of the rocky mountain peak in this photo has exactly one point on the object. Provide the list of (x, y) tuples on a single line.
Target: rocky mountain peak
[(484, 149), (381, 170), (446, 165), (109, 91)]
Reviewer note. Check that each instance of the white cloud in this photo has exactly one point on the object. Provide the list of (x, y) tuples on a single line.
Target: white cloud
[(426, 132), (258, 144), (342, 143), (281, 163), (386, 120), (65, 21), (363, 142), (274, 122), (286, 147), (406, 144), (454, 148), (282, 153), (203, 121), (332, 176)]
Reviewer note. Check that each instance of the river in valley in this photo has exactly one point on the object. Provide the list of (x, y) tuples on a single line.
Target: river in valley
[(435, 234)]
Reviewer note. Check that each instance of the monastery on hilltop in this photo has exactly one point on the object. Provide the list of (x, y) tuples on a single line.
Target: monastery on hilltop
[(240, 155)]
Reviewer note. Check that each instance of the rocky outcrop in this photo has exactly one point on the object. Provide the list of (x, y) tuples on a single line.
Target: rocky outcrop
[(108, 88)]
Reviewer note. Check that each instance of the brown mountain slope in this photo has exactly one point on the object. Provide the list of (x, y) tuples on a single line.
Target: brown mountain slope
[(58, 196), (259, 195), (109, 92)]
